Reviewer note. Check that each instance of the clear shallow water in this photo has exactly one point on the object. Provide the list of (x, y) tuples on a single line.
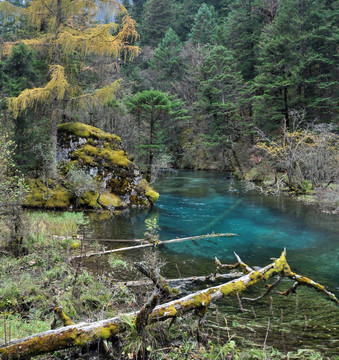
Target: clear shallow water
[(196, 203)]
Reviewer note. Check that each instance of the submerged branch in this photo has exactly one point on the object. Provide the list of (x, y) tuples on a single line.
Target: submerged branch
[(198, 237), (190, 279)]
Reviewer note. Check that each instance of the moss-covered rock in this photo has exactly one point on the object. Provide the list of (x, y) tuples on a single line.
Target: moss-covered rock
[(106, 176)]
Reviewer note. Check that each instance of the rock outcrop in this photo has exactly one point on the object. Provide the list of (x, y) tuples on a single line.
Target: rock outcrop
[(95, 172)]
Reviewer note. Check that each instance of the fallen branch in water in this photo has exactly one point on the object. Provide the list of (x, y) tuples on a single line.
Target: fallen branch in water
[(165, 242), (190, 279), (84, 333)]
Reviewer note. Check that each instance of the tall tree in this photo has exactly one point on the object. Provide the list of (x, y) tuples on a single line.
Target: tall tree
[(157, 19), (220, 90), (166, 56), (297, 60), (65, 27), (155, 111), (204, 25), (243, 27), (17, 72), (184, 13)]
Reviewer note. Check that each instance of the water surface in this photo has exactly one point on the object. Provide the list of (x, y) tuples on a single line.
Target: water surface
[(196, 203)]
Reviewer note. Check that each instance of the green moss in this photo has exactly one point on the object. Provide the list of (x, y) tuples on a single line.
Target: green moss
[(92, 150), (234, 287), (75, 245), (59, 199), (83, 130), (103, 333), (117, 157), (110, 200), (53, 197), (150, 193), (83, 156), (89, 199)]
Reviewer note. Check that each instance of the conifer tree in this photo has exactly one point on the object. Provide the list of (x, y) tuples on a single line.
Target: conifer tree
[(184, 13), (220, 90), (243, 28), (155, 111), (166, 56), (157, 19), (204, 25), (297, 57)]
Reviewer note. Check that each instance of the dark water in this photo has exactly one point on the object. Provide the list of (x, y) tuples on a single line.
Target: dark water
[(195, 203)]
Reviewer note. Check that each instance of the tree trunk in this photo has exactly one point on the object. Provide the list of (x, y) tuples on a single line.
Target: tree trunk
[(151, 154), (84, 333), (286, 109)]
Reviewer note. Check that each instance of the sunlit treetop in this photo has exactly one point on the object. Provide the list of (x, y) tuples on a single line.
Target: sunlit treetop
[(69, 25)]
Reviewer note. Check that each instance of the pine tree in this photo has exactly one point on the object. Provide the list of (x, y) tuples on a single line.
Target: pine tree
[(157, 19), (297, 56), (184, 13), (166, 56), (137, 9), (204, 25), (156, 112), (243, 27), (221, 96)]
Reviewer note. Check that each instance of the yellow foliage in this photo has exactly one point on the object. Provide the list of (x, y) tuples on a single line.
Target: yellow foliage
[(66, 27), (10, 12), (30, 98), (99, 39), (99, 96), (293, 141), (44, 12)]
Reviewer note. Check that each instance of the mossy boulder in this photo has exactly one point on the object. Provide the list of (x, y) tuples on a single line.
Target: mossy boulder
[(106, 177)]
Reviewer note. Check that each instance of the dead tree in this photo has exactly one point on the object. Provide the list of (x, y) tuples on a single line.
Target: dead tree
[(84, 333)]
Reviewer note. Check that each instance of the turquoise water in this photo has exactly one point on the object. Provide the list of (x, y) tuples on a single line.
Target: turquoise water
[(195, 203)]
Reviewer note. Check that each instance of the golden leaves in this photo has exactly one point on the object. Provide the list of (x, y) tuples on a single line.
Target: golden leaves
[(101, 40), (55, 89), (10, 12), (99, 96)]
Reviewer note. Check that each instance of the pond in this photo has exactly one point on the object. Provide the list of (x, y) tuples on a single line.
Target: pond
[(196, 203)]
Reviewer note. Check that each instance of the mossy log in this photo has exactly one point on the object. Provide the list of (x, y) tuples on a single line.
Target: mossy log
[(84, 333), (148, 244)]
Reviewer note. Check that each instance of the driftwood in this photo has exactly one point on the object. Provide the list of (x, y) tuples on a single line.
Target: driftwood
[(190, 279), (84, 333), (148, 244)]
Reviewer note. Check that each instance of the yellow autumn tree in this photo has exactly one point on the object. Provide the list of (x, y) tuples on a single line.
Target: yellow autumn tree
[(61, 29)]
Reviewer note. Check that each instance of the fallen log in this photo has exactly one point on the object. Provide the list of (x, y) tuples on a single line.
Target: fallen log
[(84, 333), (165, 242)]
